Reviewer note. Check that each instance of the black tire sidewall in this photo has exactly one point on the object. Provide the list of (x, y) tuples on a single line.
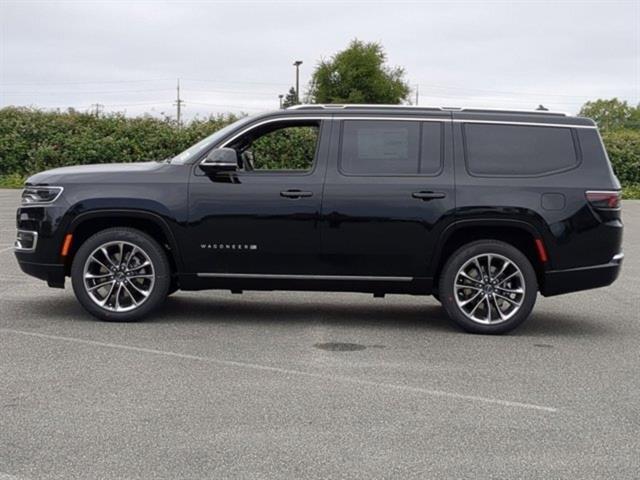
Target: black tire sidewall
[(155, 252), (458, 258)]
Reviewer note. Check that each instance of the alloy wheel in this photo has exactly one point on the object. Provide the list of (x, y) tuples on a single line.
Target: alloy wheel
[(119, 276), (489, 289)]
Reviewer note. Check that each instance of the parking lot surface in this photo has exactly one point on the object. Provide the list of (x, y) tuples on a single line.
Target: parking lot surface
[(308, 385)]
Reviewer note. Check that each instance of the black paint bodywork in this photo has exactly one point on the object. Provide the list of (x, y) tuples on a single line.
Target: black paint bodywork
[(354, 233)]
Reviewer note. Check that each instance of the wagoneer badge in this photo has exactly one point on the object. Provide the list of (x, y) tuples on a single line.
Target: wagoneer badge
[(228, 246)]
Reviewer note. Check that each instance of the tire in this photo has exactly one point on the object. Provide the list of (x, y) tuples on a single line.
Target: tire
[(130, 280), (488, 304)]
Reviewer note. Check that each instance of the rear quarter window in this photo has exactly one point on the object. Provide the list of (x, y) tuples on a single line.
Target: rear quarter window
[(518, 150)]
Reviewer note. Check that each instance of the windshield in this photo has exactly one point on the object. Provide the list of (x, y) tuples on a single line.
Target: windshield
[(194, 150)]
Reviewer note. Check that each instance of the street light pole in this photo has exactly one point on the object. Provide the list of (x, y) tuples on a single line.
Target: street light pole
[(297, 64)]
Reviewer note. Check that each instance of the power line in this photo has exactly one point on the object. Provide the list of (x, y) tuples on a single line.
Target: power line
[(97, 82), (92, 92), (59, 92), (104, 82), (471, 89), (236, 82)]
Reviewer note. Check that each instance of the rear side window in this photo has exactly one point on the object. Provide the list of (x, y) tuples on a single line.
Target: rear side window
[(391, 147), (518, 150)]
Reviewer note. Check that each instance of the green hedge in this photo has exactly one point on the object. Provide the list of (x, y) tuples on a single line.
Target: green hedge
[(32, 140), (623, 147), (289, 148)]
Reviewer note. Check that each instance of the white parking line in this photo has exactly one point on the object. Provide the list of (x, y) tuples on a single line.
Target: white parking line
[(286, 371), (6, 476), (6, 249)]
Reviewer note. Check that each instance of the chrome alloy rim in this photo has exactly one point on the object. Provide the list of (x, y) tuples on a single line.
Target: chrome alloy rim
[(118, 276), (489, 289)]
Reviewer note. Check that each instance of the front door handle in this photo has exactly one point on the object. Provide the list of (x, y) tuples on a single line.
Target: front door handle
[(425, 196), (295, 194)]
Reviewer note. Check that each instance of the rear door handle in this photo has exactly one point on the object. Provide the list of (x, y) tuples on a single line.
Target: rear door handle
[(295, 194), (425, 196)]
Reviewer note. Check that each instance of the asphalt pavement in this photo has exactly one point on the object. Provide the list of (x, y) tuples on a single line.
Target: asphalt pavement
[(316, 385)]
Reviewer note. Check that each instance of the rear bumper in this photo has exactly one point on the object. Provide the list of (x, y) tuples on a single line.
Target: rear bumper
[(557, 282), (53, 274)]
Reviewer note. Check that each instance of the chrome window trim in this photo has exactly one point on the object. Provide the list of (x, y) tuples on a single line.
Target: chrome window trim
[(264, 122), (41, 204), (269, 276), (393, 118), (528, 124), (18, 248), (459, 120)]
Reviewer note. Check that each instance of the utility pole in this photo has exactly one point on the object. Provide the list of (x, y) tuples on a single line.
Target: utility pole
[(297, 64), (280, 97), (178, 103), (97, 108), (417, 93)]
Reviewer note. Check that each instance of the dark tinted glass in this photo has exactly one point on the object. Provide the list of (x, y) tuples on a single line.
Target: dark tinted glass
[(379, 147), (518, 149), (431, 150)]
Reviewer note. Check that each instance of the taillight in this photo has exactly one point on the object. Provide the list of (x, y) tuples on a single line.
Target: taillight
[(604, 199)]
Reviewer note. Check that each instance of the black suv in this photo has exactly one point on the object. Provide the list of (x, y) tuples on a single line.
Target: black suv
[(479, 208)]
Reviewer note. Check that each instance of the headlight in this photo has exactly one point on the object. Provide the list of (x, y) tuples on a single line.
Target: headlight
[(40, 195)]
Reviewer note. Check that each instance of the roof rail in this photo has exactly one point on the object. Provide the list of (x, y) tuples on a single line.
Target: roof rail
[(346, 106), (342, 106)]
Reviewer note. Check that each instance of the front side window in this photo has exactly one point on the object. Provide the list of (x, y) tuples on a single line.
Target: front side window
[(194, 151), (375, 147), (279, 146), (518, 150)]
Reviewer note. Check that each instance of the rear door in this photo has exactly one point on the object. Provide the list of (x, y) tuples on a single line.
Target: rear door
[(389, 185)]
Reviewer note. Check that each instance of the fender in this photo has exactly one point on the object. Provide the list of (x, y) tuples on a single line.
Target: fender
[(135, 213), (482, 223)]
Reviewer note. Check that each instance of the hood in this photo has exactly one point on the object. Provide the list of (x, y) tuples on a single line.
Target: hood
[(97, 173)]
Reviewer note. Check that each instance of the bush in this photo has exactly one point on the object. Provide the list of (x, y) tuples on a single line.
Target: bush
[(13, 180), (288, 148), (32, 140), (631, 192), (623, 147)]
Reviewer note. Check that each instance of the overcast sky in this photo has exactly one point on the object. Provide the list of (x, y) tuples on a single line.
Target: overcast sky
[(237, 56)]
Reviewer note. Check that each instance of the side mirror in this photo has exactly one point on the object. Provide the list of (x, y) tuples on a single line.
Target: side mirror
[(220, 160)]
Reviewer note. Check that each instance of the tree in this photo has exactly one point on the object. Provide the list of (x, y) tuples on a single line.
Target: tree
[(358, 75), (612, 114), (291, 99)]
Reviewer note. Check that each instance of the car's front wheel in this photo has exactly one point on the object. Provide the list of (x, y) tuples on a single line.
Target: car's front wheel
[(120, 274), (488, 286)]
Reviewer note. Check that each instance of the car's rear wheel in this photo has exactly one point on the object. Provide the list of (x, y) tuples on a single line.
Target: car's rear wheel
[(120, 274), (488, 286)]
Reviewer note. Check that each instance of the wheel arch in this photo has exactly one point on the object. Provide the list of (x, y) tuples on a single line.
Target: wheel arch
[(520, 234), (87, 224)]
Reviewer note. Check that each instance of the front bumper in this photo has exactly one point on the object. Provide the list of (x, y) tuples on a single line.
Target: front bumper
[(53, 274), (557, 282)]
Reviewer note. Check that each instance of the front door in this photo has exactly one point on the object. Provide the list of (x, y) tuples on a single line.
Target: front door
[(264, 218), (389, 183)]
